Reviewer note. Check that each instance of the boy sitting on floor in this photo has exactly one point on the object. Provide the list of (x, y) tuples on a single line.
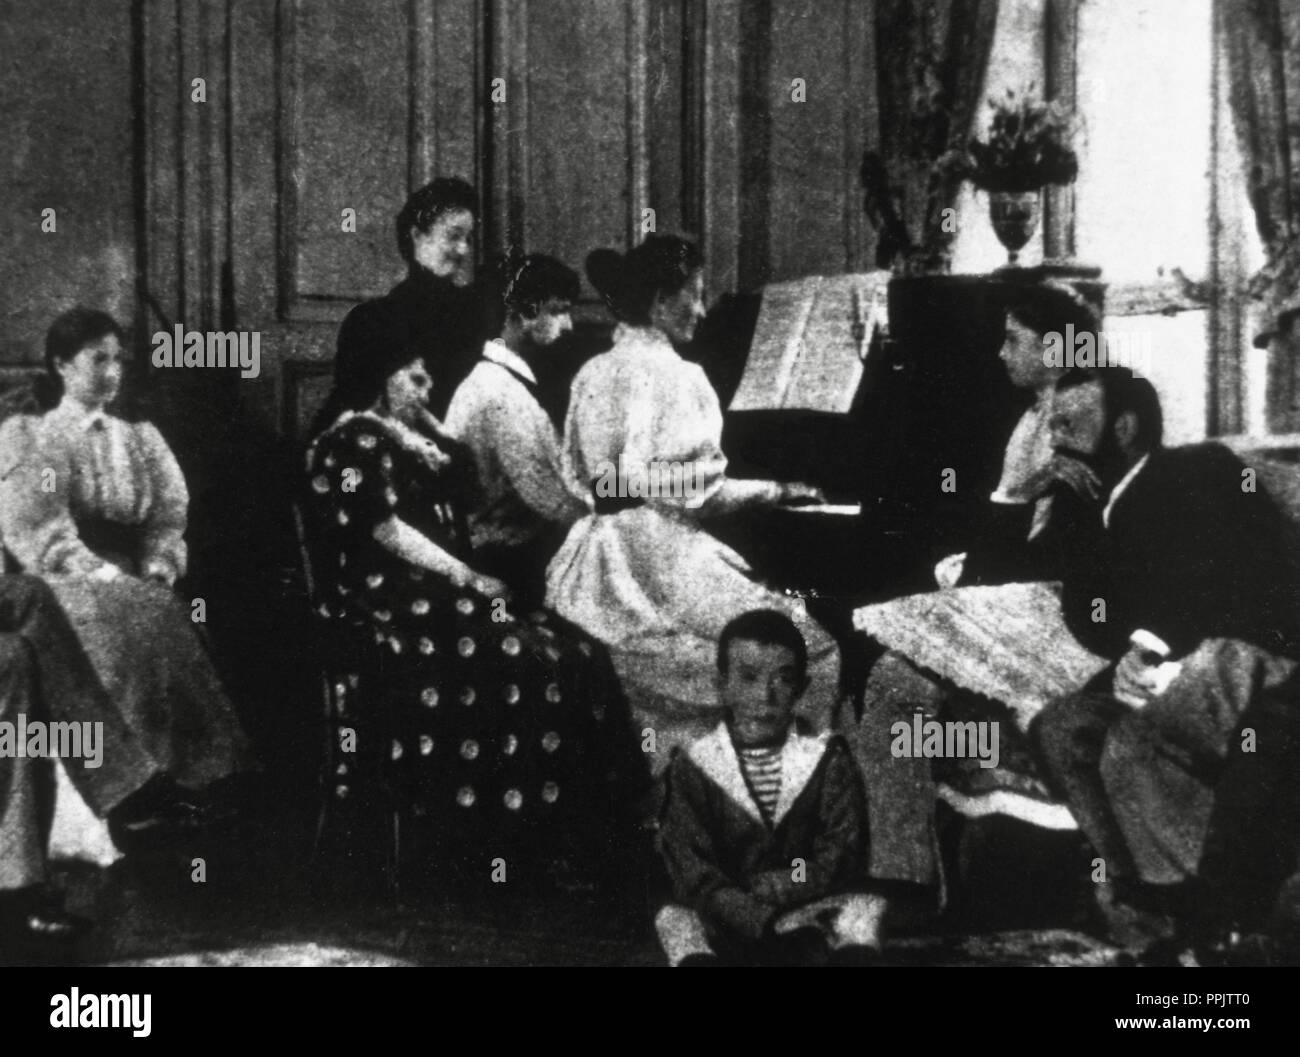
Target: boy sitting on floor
[(764, 831)]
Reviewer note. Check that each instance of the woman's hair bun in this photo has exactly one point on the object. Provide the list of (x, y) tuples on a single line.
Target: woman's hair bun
[(607, 272), (630, 282)]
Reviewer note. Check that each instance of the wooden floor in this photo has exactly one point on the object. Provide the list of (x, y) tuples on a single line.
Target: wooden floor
[(267, 901)]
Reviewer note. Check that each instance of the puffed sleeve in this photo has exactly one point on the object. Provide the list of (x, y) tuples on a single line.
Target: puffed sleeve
[(35, 522), (164, 527), (524, 440), (675, 427), (575, 460), (352, 475), (692, 432)]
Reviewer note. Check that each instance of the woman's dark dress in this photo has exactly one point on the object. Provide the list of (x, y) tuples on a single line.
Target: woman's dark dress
[(496, 721)]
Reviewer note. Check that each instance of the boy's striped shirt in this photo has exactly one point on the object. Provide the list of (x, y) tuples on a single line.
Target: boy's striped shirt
[(762, 770)]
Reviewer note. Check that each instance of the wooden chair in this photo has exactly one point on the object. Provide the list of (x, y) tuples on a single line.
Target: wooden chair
[(351, 681)]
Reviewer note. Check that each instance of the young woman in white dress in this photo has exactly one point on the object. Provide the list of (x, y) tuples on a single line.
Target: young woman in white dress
[(642, 451), (97, 506)]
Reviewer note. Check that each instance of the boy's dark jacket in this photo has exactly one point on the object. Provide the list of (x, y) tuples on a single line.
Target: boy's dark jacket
[(714, 841)]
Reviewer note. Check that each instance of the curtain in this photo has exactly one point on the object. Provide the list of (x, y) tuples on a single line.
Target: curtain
[(931, 57), (1262, 52)]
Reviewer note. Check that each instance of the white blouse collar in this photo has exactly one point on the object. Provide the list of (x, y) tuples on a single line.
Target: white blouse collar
[(652, 339), (72, 414), (498, 352)]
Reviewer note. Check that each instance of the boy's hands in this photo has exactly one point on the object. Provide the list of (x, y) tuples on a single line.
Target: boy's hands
[(772, 886), (1135, 679)]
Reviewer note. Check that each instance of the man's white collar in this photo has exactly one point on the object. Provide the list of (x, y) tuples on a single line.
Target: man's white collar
[(1118, 490), (716, 757), (498, 352)]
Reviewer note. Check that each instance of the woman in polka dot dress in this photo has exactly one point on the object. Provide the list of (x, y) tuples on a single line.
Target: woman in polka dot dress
[(496, 722)]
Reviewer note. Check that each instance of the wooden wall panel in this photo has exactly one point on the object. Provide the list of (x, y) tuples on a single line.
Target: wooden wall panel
[(667, 45), (450, 101), (349, 145), (802, 208), (816, 145), (374, 100), (568, 155), (612, 106), (66, 125), (720, 158), (253, 244)]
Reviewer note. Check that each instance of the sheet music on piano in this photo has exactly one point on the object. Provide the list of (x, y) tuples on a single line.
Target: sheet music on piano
[(810, 342)]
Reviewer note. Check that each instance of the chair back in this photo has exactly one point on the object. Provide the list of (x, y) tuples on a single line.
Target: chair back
[(304, 555), (17, 397)]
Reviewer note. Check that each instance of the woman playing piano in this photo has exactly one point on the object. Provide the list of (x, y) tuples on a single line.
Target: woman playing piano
[(643, 454)]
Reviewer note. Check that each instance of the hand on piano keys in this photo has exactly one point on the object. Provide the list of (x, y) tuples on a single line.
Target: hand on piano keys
[(826, 509), (806, 498), (798, 494)]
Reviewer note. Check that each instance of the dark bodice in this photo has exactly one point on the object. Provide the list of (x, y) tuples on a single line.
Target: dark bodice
[(429, 316), (362, 472)]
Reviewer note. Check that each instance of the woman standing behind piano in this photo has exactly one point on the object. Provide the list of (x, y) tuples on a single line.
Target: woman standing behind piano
[(639, 571)]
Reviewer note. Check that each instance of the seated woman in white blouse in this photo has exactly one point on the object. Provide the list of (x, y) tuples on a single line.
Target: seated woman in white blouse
[(642, 453), (97, 506)]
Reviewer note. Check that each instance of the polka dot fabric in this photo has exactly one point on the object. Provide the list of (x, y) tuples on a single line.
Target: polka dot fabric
[(497, 720)]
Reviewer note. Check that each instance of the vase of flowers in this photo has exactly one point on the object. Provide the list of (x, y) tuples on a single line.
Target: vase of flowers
[(1015, 219), (911, 175), (1028, 147)]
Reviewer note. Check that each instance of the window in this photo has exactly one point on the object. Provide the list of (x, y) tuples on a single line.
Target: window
[(1159, 163)]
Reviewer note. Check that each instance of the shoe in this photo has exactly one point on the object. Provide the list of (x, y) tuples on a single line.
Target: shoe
[(1234, 949), (855, 955), (1168, 952), (1168, 900), (1114, 918), (699, 959), (37, 916), (236, 794), (1225, 948), (910, 908), (801, 947), (159, 804)]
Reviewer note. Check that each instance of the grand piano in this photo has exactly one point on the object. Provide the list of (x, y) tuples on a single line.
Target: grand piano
[(932, 398)]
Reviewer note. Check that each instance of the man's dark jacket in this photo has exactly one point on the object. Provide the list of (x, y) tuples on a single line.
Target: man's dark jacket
[(1189, 554)]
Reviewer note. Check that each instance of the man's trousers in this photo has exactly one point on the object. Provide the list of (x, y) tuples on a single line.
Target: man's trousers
[(1141, 782)]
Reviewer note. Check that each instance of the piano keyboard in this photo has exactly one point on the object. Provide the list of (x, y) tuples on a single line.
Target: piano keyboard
[(834, 509)]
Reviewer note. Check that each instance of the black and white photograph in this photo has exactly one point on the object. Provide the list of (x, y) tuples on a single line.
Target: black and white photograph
[(651, 484)]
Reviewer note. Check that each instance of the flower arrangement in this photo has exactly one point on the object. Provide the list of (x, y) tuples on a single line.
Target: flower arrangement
[(1028, 147), (909, 181)]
